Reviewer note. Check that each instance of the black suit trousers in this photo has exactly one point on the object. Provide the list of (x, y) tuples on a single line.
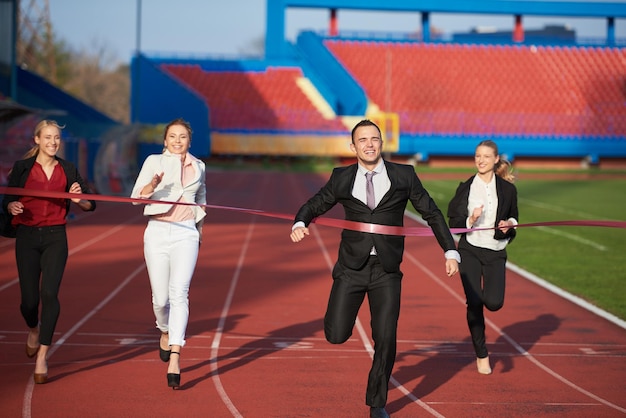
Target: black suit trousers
[(346, 297), (41, 255), (483, 276)]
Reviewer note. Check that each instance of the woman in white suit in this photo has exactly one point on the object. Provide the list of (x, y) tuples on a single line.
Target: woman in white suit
[(172, 236)]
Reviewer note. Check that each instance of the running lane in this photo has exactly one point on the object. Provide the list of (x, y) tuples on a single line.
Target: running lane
[(255, 345)]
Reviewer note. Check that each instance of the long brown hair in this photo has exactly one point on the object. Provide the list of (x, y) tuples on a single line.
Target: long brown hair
[(38, 128), (503, 167)]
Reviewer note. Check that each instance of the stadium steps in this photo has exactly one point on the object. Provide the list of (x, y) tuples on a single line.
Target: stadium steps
[(274, 99)]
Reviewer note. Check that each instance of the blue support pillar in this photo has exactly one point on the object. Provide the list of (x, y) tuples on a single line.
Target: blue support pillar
[(610, 31), (275, 43), (425, 26)]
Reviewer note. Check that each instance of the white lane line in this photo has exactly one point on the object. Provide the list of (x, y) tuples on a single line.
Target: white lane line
[(566, 211), (361, 331), (363, 334), (552, 372), (572, 237), (547, 285), (364, 337), (82, 246), (513, 343), (555, 208), (219, 332), (566, 295), (28, 393)]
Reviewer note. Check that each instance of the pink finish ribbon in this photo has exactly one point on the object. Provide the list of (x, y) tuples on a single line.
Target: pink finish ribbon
[(335, 223)]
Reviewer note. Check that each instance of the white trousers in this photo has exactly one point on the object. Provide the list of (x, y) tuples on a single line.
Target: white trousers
[(171, 252)]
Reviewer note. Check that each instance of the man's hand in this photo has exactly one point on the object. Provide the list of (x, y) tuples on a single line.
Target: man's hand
[(298, 234), (452, 267)]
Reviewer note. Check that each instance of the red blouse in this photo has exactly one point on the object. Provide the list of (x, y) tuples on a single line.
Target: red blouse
[(43, 211)]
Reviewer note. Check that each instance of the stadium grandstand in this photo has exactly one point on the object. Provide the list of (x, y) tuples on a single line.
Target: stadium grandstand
[(545, 95), (538, 93)]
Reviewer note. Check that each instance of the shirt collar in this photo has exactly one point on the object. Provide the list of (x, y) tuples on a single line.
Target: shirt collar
[(491, 182), (378, 169), (188, 158)]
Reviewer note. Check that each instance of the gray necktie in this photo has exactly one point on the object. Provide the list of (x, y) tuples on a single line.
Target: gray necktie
[(369, 190)]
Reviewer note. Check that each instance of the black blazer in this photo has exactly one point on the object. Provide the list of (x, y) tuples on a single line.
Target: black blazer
[(19, 175), (507, 206), (355, 246)]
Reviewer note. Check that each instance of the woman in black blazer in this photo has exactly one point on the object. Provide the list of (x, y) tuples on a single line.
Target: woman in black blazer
[(40, 238), (488, 199)]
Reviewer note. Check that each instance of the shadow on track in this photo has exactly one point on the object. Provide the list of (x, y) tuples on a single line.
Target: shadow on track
[(449, 359)]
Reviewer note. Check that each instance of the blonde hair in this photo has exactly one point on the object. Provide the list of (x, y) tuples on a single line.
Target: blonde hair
[(503, 167), (38, 128)]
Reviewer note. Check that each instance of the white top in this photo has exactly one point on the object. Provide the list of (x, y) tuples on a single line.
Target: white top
[(381, 182), (171, 188), (485, 194)]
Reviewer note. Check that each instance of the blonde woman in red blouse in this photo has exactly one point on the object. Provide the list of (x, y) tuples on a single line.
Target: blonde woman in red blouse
[(40, 238)]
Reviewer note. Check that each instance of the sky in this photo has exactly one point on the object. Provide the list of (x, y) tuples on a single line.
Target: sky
[(233, 28)]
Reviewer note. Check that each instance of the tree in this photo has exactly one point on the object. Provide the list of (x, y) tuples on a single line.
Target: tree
[(86, 75)]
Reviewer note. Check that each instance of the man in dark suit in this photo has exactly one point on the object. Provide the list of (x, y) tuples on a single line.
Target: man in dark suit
[(370, 263)]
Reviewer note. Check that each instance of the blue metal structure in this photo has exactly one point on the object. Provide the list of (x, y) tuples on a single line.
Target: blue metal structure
[(276, 46), (347, 97), (171, 100)]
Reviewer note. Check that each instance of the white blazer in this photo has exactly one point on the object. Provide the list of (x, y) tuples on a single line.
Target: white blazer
[(171, 187)]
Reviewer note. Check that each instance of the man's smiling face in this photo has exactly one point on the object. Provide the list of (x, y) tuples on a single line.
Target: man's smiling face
[(367, 145)]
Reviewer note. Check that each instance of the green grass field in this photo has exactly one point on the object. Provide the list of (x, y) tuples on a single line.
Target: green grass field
[(585, 261)]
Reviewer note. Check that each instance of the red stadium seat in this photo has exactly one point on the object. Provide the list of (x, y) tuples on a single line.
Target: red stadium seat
[(518, 89)]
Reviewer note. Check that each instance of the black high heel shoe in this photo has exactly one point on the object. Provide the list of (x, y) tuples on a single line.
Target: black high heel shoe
[(173, 379)]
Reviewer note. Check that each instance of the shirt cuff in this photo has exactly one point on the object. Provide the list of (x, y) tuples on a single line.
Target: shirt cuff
[(453, 254), (298, 224)]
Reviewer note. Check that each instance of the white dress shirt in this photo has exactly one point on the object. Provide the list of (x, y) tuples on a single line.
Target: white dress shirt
[(382, 184), (484, 194)]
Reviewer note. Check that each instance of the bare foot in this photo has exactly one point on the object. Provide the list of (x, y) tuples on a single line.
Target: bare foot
[(482, 364), (41, 365)]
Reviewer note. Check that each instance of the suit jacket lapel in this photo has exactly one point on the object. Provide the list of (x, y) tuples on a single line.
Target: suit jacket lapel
[(347, 180), (393, 180)]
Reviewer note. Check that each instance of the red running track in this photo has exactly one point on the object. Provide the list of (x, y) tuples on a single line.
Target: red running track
[(255, 344)]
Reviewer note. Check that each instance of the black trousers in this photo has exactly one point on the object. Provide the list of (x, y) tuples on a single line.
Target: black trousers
[(483, 277), (41, 255), (383, 294)]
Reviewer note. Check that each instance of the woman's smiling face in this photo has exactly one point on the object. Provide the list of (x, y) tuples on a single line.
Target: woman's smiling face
[(177, 139), (49, 140), (485, 159)]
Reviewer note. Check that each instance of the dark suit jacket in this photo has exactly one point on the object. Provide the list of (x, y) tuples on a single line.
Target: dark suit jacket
[(507, 206), (19, 175), (355, 246)]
